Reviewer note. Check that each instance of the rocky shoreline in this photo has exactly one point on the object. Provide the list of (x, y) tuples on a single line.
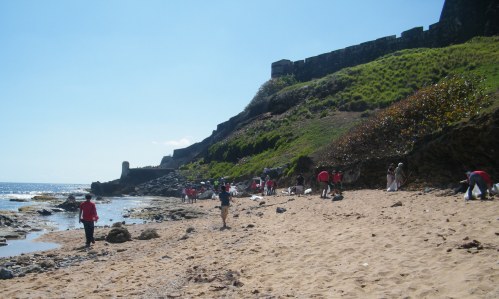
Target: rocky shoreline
[(16, 225)]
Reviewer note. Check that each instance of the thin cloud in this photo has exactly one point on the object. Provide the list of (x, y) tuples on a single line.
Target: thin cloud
[(182, 142)]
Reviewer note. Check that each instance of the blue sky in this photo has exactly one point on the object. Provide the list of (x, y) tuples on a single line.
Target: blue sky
[(86, 85)]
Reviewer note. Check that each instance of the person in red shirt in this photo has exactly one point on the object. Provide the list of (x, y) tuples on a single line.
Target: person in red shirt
[(323, 178), (337, 181), (253, 186), (269, 187), (482, 180), (88, 215)]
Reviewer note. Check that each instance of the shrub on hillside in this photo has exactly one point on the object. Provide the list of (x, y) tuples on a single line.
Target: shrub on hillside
[(260, 101), (394, 130)]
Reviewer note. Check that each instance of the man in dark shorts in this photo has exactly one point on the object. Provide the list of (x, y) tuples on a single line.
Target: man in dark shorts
[(300, 182), (225, 199)]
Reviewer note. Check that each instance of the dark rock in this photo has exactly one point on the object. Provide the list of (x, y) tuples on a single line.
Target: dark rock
[(70, 205), (6, 220), (19, 199), (47, 264), (117, 224), (190, 230), (6, 274), (280, 210), (118, 235), (12, 235), (44, 212), (148, 234), (397, 204), (473, 244)]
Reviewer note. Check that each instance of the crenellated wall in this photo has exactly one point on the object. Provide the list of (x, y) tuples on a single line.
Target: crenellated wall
[(460, 21)]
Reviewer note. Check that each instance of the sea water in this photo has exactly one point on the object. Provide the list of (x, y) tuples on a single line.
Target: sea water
[(110, 210)]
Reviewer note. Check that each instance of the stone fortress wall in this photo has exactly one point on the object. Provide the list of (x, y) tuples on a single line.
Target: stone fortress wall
[(460, 21), (140, 175)]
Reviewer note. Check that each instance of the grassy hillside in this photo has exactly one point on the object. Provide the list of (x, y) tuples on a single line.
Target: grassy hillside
[(295, 121)]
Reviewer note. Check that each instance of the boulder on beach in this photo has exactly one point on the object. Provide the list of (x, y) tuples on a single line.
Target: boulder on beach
[(148, 234), (70, 205), (118, 235)]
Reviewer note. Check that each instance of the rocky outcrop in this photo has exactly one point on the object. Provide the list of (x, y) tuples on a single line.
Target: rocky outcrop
[(70, 205), (169, 185)]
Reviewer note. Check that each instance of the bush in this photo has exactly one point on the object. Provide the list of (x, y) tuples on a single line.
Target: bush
[(395, 129)]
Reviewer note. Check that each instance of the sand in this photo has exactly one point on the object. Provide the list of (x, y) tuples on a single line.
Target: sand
[(360, 247)]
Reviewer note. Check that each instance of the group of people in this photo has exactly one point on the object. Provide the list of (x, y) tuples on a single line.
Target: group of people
[(395, 177), (190, 192), (333, 181), (267, 186), (330, 181)]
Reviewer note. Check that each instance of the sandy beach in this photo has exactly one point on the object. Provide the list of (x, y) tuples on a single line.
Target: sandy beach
[(372, 244)]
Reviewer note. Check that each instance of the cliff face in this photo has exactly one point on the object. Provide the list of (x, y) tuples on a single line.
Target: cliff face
[(460, 20), (441, 157), (439, 160)]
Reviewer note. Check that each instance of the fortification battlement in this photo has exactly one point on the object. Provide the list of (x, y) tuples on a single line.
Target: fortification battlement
[(460, 21)]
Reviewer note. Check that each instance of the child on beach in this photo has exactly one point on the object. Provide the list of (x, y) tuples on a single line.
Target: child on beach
[(225, 199)]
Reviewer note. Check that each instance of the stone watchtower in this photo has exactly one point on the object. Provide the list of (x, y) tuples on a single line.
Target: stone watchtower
[(125, 169)]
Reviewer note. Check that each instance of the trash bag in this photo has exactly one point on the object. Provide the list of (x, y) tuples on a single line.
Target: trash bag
[(495, 189), (393, 186), (476, 193), (337, 197)]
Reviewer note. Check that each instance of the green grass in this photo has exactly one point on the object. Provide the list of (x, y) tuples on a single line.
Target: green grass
[(303, 117)]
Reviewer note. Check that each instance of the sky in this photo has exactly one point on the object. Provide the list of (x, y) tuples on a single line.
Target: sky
[(86, 85)]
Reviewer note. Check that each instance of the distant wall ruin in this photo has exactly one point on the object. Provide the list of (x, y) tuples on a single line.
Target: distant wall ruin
[(460, 21)]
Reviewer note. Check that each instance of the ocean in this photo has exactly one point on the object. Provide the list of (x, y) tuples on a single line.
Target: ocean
[(16, 195)]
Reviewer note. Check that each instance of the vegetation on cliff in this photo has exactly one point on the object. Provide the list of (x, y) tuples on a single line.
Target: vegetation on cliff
[(395, 130), (304, 124)]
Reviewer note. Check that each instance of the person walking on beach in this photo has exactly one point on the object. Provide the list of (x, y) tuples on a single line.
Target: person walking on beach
[(88, 215), (225, 199)]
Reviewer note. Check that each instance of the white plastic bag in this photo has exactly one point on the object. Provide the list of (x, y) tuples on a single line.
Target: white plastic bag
[(476, 193), (495, 189), (308, 191), (256, 197), (393, 186)]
